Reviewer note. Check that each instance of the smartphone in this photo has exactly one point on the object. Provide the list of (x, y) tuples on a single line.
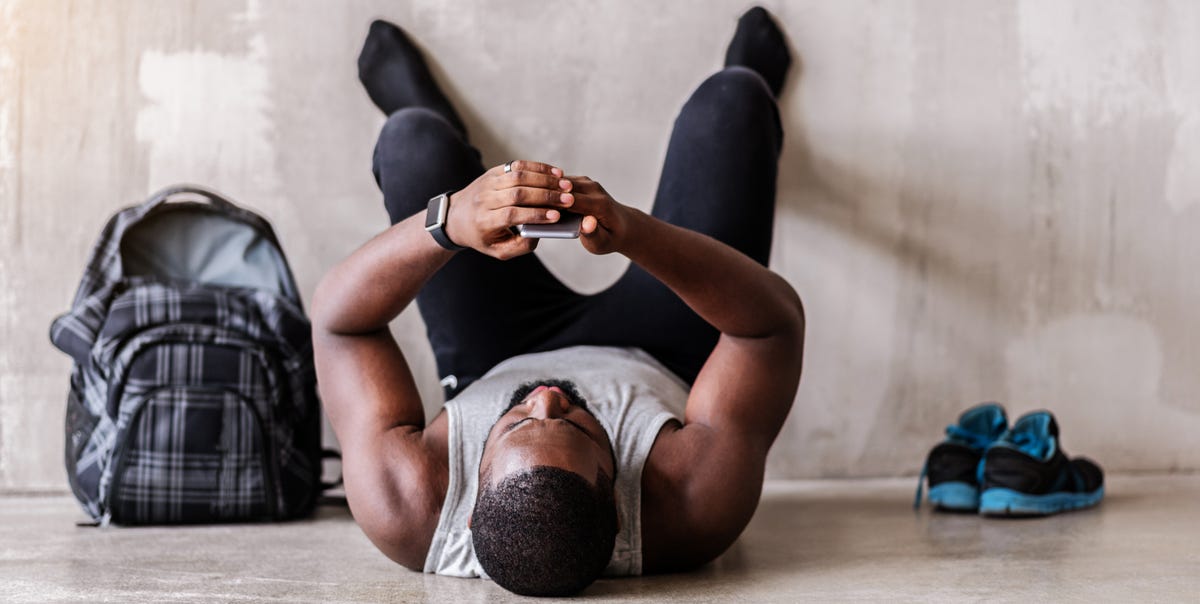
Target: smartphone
[(567, 227)]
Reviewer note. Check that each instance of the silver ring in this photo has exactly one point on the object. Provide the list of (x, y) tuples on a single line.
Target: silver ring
[(508, 167)]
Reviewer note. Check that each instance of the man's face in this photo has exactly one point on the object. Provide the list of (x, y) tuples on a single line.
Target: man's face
[(547, 424)]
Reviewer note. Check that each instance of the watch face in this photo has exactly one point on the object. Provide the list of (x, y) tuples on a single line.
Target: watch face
[(431, 214), (435, 215)]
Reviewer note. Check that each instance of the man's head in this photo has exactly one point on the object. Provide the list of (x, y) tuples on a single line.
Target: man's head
[(545, 520)]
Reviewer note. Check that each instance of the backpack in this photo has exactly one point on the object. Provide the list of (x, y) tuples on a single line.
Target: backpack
[(193, 393)]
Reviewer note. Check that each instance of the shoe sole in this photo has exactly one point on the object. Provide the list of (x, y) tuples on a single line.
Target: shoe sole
[(1007, 502), (955, 496)]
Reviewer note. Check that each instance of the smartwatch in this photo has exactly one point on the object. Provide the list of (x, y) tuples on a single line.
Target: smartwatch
[(435, 221)]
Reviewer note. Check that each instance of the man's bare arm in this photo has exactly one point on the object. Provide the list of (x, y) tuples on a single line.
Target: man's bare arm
[(709, 473), (394, 471), (368, 391)]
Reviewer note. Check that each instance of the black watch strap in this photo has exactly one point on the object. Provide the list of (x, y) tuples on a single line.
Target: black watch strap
[(435, 221)]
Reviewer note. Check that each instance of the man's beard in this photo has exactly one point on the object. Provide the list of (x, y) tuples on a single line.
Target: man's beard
[(567, 386)]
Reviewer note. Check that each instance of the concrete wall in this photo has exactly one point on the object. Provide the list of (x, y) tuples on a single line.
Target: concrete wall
[(979, 200)]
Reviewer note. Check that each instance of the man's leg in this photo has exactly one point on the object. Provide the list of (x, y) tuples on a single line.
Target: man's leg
[(478, 311), (718, 179)]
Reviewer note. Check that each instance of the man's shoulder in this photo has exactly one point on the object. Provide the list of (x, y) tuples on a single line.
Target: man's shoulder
[(400, 514), (698, 494)]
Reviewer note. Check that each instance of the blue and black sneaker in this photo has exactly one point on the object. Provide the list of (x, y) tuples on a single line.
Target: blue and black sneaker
[(1026, 473), (953, 465)]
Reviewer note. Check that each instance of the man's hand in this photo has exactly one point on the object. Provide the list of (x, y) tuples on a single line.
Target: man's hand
[(606, 222), (482, 216)]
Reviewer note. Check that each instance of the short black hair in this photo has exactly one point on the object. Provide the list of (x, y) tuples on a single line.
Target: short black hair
[(544, 531)]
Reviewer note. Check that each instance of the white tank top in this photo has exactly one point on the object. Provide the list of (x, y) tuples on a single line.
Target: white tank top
[(631, 394)]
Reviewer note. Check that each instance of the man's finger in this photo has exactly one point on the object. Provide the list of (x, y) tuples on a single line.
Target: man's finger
[(527, 196), (525, 178), (513, 216), (585, 203), (589, 225), (517, 246), (524, 165), (582, 183)]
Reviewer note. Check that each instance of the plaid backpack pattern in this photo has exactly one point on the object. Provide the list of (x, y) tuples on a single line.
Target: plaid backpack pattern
[(190, 400)]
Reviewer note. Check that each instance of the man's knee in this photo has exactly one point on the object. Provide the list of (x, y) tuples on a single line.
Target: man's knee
[(736, 86), (417, 134), (736, 97), (418, 126)]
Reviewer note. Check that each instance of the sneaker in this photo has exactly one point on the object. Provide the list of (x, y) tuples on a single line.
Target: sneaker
[(953, 465), (1026, 473)]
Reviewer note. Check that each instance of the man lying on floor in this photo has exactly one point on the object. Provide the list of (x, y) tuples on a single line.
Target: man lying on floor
[(560, 454)]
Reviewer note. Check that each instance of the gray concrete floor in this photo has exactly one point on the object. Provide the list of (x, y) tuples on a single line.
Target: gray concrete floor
[(827, 540)]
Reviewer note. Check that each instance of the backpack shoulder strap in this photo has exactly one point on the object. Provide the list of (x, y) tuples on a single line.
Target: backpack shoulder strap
[(75, 331)]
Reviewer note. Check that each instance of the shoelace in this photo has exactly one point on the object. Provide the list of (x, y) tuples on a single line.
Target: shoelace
[(1030, 443), (920, 485), (974, 440)]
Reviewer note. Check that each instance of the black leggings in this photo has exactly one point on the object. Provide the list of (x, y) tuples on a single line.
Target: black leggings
[(718, 179)]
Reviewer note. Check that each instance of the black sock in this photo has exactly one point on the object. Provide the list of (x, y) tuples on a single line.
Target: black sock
[(395, 75), (758, 44)]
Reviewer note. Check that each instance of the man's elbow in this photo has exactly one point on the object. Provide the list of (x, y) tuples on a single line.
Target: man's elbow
[(321, 311), (794, 322), (798, 313), (791, 334)]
